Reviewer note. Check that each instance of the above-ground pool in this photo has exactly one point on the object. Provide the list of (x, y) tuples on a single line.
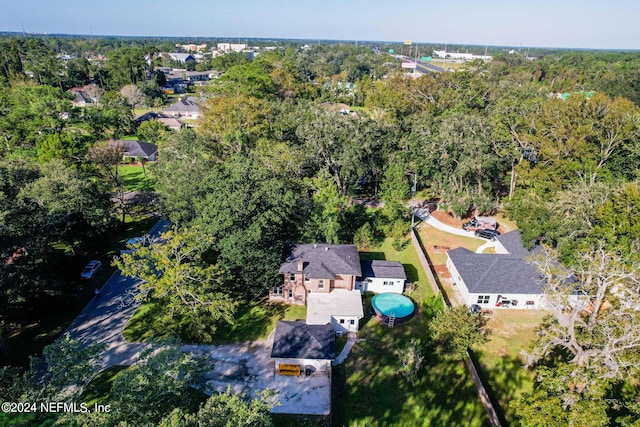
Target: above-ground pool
[(389, 304)]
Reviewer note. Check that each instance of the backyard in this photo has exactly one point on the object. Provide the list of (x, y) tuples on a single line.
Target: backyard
[(510, 331), (367, 389)]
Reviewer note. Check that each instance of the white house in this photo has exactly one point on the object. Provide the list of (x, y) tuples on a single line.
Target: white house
[(381, 276), (500, 280), (297, 345)]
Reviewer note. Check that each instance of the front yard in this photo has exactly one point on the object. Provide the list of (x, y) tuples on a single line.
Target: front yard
[(253, 321)]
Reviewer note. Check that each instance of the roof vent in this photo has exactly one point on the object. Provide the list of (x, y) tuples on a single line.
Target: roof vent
[(326, 248)]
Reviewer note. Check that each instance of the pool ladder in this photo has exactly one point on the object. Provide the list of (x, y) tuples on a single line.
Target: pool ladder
[(391, 320)]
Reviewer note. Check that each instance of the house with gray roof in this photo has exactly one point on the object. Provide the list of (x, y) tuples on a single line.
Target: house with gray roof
[(323, 277), (298, 345), (181, 57), (504, 279), (184, 108), (136, 149), (317, 268), (381, 276)]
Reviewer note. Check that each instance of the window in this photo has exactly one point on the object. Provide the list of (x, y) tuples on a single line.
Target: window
[(320, 283), (341, 321), (387, 283), (290, 293), (306, 278), (352, 322), (483, 299), (292, 277), (277, 290)]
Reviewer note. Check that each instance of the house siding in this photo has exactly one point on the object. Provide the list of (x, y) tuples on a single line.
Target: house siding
[(378, 286), (344, 282)]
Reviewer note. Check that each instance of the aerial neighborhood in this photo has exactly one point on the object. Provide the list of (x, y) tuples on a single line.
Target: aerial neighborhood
[(257, 232)]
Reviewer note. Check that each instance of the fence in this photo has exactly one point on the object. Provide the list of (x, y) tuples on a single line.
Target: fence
[(469, 362)]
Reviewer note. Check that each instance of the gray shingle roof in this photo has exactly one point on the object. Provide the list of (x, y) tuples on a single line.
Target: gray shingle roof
[(137, 148), (183, 106), (512, 242), (322, 260), (297, 340), (493, 273), (383, 269)]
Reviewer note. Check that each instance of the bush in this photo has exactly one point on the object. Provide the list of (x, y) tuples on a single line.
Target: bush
[(410, 359)]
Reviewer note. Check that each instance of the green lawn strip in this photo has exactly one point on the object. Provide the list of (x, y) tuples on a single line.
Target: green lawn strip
[(99, 387), (253, 321), (367, 390), (501, 361), (409, 259), (137, 177)]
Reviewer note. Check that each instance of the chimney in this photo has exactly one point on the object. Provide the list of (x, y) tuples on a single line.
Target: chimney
[(300, 265)]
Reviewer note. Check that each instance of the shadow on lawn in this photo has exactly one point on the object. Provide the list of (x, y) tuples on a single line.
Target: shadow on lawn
[(253, 321), (367, 389), (505, 382)]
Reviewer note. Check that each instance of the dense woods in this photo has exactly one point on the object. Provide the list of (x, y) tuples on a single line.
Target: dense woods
[(271, 160)]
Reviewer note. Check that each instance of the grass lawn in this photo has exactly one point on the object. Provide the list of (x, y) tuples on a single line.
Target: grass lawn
[(367, 390), (253, 321), (501, 361), (409, 259), (137, 177), (437, 242)]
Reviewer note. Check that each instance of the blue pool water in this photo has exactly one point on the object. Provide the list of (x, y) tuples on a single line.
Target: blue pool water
[(386, 304)]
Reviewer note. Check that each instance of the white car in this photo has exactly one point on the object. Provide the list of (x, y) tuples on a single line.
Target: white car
[(91, 269), (129, 244)]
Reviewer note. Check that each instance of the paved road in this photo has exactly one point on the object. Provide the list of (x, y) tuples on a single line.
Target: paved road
[(106, 316)]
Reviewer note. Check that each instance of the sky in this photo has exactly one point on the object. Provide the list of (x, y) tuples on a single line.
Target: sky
[(613, 24)]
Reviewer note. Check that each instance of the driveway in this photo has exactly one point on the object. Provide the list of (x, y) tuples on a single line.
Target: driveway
[(105, 317), (244, 367), (248, 368)]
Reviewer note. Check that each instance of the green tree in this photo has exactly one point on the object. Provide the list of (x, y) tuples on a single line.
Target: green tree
[(225, 410), (327, 213), (177, 277), (234, 123), (152, 131), (455, 330), (125, 66)]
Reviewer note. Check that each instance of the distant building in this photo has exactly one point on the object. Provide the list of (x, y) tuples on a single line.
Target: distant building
[(184, 108), (232, 47), (460, 56), (181, 57)]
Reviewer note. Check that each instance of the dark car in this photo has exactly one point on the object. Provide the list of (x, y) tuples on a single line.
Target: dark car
[(487, 234)]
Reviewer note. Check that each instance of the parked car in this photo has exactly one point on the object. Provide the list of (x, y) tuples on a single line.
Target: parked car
[(480, 223), (487, 233), (91, 269), (129, 244)]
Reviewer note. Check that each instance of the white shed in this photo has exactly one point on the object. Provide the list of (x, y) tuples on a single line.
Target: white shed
[(381, 277)]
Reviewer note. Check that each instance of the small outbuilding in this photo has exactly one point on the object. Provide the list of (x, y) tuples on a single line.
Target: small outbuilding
[(299, 348), (381, 277)]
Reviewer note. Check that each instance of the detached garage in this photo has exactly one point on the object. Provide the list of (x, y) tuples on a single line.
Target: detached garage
[(298, 347)]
